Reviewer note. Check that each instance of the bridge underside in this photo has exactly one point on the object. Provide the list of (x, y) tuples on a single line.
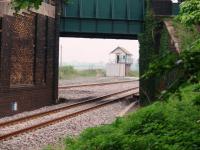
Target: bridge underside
[(102, 19), (98, 35)]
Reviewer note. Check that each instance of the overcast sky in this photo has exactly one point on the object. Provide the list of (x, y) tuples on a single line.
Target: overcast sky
[(94, 50)]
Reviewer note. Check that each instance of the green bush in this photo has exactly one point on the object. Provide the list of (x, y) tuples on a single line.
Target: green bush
[(167, 125), (196, 101), (186, 34), (189, 12)]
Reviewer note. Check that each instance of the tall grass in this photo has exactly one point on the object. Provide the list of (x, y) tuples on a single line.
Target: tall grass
[(68, 72), (186, 35), (132, 73)]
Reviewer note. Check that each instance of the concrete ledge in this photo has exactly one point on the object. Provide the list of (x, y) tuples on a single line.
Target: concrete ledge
[(130, 108), (5, 8), (45, 9), (172, 32)]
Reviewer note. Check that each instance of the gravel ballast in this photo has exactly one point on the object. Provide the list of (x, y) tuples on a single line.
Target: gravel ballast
[(22, 125), (77, 94), (89, 80), (38, 139), (81, 93)]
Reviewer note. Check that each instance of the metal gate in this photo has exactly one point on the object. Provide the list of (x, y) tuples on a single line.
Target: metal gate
[(102, 18)]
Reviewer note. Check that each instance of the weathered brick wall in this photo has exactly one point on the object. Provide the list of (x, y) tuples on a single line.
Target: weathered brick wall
[(41, 26), (22, 35), (0, 46), (26, 64)]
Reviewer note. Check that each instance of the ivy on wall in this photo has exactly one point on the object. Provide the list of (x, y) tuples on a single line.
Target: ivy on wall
[(166, 66), (146, 39), (154, 43)]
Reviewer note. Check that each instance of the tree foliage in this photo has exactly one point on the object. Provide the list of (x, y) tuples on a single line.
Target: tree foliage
[(27, 4), (187, 61), (190, 12)]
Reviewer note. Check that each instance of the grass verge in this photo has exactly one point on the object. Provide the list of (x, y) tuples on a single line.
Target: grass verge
[(68, 72)]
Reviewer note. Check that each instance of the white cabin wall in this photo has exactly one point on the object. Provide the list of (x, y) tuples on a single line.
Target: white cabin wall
[(115, 70)]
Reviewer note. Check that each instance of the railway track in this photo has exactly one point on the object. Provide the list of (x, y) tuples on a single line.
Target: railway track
[(95, 84), (87, 105)]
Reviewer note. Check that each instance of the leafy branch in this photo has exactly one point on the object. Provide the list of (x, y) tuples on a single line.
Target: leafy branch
[(190, 12), (18, 5), (187, 62), (25, 4)]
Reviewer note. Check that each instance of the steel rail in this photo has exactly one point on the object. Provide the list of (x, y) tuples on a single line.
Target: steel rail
[(95, 84), (37, 115), (59, 119)]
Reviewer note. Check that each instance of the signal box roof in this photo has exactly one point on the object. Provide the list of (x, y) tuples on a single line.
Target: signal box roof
[(118, 49)]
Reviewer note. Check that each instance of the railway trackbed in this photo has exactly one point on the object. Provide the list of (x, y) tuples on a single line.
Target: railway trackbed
[(95, 84), (26, 124)]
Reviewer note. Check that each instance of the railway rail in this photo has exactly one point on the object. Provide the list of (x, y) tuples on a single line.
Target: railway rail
[(98, 103), (95, 84)]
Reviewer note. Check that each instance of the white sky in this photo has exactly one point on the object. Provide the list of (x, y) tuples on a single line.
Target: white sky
[(94, 50), (174, 1)]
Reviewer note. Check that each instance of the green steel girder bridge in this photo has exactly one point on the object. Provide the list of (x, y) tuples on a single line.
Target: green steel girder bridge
[(102, 18)]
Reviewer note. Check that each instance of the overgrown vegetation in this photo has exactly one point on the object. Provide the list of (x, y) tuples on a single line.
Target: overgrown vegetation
[(148, 50), (187, 62), (160, 61), (189, 12), (188, 35), (27, 4), (68, 72)]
